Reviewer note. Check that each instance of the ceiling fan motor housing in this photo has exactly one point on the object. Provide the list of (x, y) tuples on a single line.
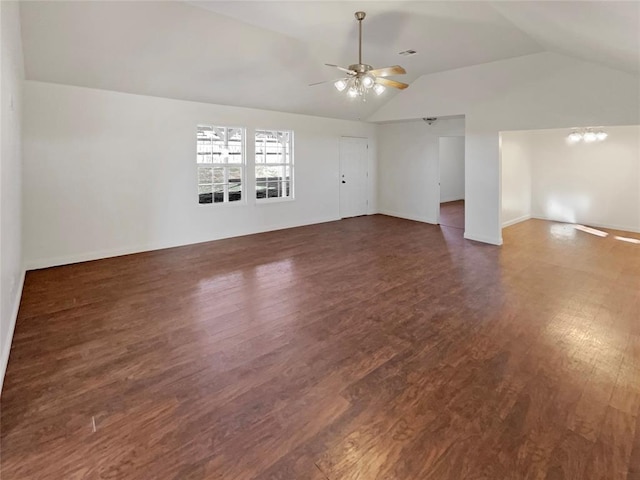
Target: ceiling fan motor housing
[(360, 67)]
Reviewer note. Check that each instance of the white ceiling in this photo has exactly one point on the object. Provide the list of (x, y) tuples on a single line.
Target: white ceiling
[(263, 54), (606, 32)]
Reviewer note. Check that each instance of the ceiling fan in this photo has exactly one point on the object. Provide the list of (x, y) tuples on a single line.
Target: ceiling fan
[(361, 77)]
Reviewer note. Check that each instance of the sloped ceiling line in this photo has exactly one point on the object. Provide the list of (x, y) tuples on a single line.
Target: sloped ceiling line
[(263, 54)]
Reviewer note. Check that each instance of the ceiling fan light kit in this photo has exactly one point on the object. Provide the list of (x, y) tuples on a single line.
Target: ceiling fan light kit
[(362, 78), (587, 135), (340, 84)]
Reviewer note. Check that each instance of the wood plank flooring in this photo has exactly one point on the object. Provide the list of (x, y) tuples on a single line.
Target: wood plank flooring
[(452, 214), (370, 348)]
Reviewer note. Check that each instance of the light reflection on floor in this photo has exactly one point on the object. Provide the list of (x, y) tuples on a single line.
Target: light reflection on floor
[(563, 231), (627, 239), (567, 231), (590, 230)]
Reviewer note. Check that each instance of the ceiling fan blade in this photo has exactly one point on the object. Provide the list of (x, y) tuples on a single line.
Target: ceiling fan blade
[(391, 83), (350, 72), (388, 71), (325, 81)]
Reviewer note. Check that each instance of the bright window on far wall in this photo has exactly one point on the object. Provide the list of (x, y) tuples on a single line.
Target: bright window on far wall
[(274, 164), (221, 162)]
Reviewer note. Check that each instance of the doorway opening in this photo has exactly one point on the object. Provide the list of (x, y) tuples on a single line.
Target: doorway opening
[(581, 180), (452, 184)]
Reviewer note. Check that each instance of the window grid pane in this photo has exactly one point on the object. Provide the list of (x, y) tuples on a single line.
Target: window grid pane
[(274, 164), (220, 160)]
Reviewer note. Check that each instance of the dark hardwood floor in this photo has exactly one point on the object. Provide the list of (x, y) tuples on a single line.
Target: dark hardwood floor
[(370, 348), (452, 214)]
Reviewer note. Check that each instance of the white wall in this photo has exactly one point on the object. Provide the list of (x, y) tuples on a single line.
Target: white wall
[(408, 167), (546, 176), (516, 177), (596, 184), (451, 153), (11, 265), (544, 90), (108, 173)]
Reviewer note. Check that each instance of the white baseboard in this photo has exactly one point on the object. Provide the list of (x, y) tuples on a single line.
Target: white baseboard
[(6, 348), (415, 218), (516, 220), (34, 264), (591, 224), (483, 239), (89, 256)]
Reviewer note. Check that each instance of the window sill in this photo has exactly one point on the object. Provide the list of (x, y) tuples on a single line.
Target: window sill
[(267, 201), (226, 204)]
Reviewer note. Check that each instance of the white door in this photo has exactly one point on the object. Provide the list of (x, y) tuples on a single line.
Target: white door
[(353, 176)]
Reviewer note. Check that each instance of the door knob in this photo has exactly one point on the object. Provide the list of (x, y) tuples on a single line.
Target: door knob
[(343, 181)]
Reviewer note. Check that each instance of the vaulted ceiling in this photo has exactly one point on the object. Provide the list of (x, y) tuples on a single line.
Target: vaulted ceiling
[(263, 54)]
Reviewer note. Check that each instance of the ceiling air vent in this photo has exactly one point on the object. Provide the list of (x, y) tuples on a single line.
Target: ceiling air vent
[(408, 53)]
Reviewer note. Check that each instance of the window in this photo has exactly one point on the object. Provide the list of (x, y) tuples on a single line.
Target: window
[(220, 159), (274, 164)]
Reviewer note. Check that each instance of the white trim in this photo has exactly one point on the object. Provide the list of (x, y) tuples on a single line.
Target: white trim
[(590, 224), (234, 204), (242, 165), (6, 348), (483, 239), (415, 218), (290, 164), (269, 201), (116, 252), (516, 220)]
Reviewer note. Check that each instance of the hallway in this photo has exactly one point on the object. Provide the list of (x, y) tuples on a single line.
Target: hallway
[(452, 214)]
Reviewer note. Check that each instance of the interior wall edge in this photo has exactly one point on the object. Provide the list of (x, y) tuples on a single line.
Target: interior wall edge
[(484, 239), (6, 348), (517, 220), (415, 218)]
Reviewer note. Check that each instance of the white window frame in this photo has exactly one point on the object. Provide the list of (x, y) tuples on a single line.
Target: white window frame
[(225, 166), (289, 151)]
